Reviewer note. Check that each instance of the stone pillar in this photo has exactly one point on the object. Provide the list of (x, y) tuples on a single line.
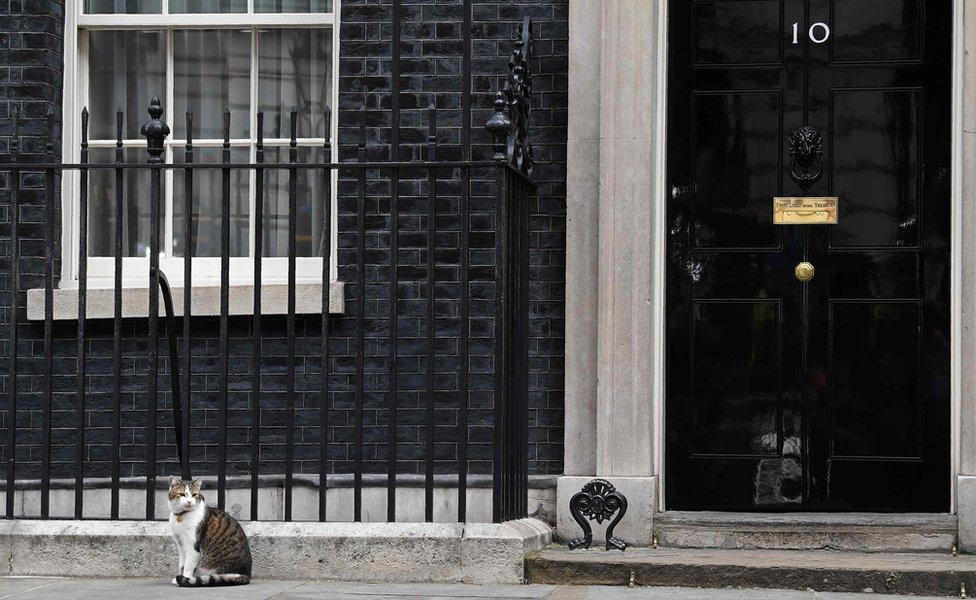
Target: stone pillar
[(964, 291), (613, 243), (625, 417), (582, 224)]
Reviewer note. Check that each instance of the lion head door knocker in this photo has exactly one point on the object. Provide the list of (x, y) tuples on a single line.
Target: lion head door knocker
[(806, 148), (598, 501)]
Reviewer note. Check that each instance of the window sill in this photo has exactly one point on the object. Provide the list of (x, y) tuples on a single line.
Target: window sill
[(206, 301)]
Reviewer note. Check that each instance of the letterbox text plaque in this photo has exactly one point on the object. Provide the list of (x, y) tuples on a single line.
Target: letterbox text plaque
[(805, 210)]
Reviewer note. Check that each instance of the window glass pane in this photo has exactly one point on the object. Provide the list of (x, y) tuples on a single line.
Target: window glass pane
[(310, 197), (292, 6), (205, 223), (138, 7), (135, 210), (295, 69), (126, 69), (212, 71), (207, 6)]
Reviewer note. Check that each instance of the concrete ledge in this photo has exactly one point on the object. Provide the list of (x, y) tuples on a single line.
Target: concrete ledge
[(100, 302), (377, 552), (271, 498)]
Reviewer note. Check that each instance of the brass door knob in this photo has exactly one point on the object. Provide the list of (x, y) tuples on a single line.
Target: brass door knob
[(804, 271)]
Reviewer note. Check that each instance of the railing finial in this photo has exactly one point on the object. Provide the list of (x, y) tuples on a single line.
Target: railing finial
[(155, 131), (510, 123), (499, 126)]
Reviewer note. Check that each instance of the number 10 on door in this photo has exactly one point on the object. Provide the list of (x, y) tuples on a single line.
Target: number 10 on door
[(818, 33)]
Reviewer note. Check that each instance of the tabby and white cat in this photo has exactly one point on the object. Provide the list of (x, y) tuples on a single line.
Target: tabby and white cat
[(212, 544)]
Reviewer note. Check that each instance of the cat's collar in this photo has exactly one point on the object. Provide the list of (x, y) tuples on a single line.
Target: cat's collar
[(179, 515)]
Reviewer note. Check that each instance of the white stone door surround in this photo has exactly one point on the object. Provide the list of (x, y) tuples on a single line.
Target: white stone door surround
[(615, 260)]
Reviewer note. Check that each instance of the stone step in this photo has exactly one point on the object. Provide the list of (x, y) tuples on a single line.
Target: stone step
[(820, 570), (859, 532)]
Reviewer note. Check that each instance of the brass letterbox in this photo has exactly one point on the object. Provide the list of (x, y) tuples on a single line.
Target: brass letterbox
[(805, 210)]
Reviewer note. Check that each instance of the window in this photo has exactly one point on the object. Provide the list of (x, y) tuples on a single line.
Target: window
[(205, 55)]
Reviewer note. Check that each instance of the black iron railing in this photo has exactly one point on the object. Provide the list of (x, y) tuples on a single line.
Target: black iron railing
[(509, 173)]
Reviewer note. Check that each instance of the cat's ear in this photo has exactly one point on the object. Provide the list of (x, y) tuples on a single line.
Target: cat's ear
[(195, 486), (174, 482)]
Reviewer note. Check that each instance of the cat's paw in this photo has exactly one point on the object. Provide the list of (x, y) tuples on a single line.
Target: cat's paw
[(176, 581)]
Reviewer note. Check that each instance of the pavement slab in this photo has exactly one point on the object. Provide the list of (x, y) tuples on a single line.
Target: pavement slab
[(672, 593), (11, 586), (20, 588), (56, 588), (424, 590)]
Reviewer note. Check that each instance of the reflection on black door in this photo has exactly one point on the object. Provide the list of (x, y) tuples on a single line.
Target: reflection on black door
[(831, 394)]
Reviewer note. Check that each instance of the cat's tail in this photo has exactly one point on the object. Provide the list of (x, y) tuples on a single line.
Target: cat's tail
[(214, 580)]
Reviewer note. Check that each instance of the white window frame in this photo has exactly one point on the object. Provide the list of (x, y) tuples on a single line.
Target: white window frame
[(206, 270)]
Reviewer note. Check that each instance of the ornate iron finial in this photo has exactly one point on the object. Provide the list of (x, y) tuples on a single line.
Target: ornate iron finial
[(155, 131), (598, 501), (499, 126), (806, 148), (509, 125)]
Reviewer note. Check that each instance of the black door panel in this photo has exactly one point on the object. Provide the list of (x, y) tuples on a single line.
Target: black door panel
[(831, 394)]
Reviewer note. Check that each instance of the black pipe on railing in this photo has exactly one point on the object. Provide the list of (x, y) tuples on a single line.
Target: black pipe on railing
[(174, 372)]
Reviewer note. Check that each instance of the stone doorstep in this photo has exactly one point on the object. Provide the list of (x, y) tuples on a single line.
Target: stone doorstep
[(821, 570), (858, 532), (484, 553)]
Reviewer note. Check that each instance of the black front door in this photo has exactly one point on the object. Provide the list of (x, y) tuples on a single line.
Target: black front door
[(830, 394)]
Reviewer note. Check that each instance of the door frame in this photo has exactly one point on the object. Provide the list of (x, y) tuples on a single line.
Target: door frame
[(659, 251)]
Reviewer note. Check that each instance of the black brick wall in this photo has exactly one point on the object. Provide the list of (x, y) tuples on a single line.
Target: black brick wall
[(431, 48)]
